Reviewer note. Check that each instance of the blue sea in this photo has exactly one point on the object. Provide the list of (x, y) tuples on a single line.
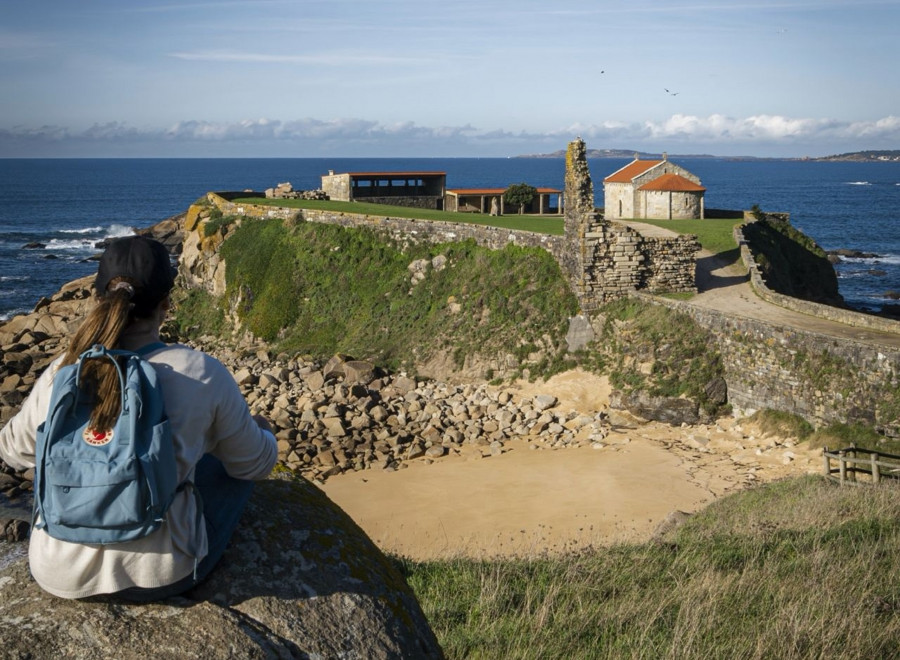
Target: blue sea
[(66, 206)]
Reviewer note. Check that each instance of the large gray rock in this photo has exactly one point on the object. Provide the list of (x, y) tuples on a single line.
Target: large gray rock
[(299, 580), (580, 333), (671, 410)]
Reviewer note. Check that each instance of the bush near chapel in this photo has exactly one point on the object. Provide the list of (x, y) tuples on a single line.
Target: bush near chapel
[(520, 194)]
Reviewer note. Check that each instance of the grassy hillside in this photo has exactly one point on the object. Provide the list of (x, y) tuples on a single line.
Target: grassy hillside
[(318, 289), (796, 569)]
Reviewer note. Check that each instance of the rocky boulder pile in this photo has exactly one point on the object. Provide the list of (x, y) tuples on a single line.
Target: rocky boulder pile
[(329, 418), (349, 415), (286, 191)]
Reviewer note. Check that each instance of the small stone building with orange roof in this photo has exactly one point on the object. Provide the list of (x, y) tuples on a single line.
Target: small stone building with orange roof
[(657, 189)]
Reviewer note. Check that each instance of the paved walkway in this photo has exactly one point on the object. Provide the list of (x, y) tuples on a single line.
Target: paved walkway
[(726, 288)]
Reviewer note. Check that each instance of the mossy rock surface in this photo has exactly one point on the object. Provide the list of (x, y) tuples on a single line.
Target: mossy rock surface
[(299, 580)]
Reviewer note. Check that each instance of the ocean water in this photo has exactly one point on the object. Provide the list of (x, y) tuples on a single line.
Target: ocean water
[(63, 207)]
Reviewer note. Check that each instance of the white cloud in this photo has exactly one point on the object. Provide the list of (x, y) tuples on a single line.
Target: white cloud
[(716, 134), (336, 59)]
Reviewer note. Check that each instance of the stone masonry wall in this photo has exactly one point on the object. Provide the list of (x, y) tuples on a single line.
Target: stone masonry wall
[(401, 228), (607, 260), (846, 316), (820, 378), (670, 205)]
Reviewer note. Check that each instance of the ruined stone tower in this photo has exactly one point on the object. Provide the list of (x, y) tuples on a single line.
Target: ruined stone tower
[(606, 260)]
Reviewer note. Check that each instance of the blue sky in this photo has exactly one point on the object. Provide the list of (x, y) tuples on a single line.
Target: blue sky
[(391, 78)]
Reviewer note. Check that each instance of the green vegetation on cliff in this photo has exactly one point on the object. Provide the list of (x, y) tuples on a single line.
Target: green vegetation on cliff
[(796, 569), (661, 352), (319, 289), (791, 262)]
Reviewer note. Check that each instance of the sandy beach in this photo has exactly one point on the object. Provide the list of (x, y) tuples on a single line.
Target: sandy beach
[(529, 501)]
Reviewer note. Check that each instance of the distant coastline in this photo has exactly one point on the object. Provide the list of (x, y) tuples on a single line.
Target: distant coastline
[(854, 156)]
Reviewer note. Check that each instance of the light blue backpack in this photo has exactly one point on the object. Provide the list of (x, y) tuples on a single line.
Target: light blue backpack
[(110, 487)]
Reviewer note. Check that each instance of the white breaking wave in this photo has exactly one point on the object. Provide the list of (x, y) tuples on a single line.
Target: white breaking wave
[(891, 259), (859, 183), (13, 278), (89, 237), (117, 231), (86, 230), (6, 316), (72, 245)]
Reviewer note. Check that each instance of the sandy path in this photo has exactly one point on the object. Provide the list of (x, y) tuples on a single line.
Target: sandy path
[(528, 501)]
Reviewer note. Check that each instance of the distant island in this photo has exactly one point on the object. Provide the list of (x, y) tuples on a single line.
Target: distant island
[(615, 153), (854, 156), (865, 156)]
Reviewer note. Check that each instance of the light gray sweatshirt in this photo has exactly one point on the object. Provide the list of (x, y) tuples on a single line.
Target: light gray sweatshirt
[(208, 414)]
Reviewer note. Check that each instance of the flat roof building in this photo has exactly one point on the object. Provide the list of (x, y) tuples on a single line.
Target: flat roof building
[(416, 189)]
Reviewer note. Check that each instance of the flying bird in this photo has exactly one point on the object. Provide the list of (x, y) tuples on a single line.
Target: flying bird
[(671, 93)]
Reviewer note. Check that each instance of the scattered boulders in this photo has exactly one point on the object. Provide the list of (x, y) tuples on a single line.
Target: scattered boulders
[(348, 415), (286, 191)]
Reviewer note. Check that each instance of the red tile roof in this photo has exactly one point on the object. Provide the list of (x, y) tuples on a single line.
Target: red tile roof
[(633, 169), (496, 191), (672, 183)]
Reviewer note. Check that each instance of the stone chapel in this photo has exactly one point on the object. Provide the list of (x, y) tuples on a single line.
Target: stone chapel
[(657, 189)]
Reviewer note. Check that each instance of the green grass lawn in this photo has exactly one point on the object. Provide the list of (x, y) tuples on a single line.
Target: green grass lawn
[(714, 234)]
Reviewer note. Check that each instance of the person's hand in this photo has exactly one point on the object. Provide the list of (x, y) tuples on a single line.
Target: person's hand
[(263, 423)]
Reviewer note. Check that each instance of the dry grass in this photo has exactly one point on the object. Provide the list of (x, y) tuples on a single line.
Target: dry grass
[(796, 569)]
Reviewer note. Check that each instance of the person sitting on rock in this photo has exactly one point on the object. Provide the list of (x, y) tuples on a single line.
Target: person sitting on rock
[(219, 445)]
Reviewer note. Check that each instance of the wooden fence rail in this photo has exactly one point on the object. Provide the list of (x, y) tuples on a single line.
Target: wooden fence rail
[(854, 462)]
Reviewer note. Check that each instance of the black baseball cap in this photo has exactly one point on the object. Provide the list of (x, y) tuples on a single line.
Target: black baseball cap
[(142, 262)]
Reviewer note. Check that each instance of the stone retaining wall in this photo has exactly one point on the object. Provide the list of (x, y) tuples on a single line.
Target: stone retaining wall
[(821, 378), (431, 231), (845, 316), (603, 260)]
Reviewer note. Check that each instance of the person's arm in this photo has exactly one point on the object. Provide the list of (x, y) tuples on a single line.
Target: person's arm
[(244, 443), (17, 438)]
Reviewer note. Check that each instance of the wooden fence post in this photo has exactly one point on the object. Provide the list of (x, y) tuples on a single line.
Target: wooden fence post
[(876, 472), (842, 465)]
